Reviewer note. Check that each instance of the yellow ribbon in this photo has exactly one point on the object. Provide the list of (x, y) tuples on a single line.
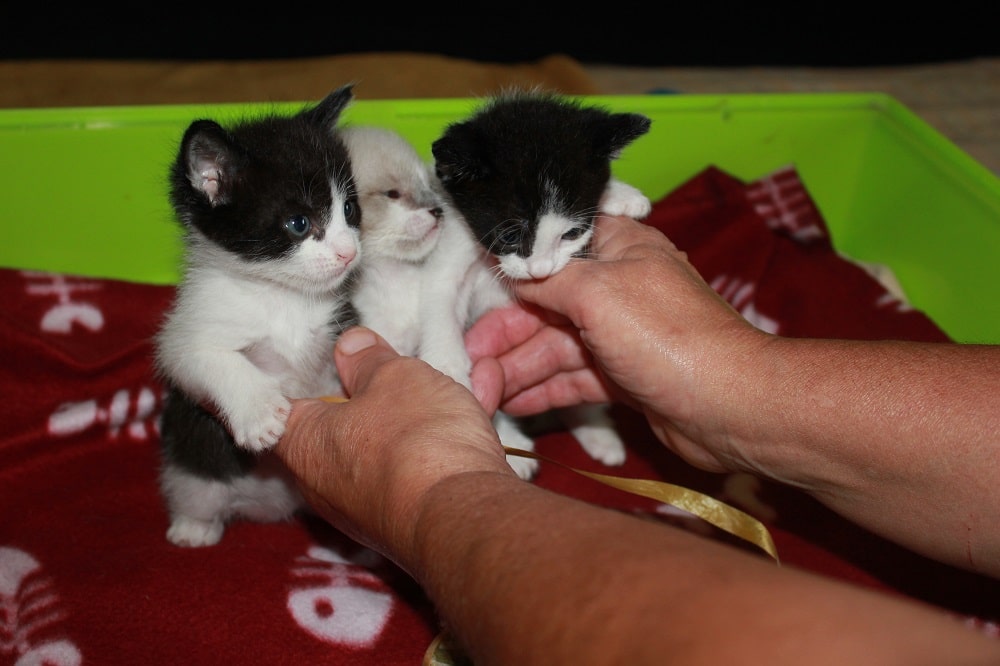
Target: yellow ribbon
[(709, 509)]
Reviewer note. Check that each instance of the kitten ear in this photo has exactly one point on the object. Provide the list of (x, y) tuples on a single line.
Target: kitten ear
[(621, 130), (207, 152), (457, 157), (328, 111)]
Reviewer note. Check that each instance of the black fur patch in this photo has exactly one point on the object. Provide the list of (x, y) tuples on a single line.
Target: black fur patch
[(502, 165), (194, 440), (257, 191)]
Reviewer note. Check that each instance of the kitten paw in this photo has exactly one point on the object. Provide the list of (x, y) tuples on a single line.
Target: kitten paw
[(193, 533), (512, 437), (594, 429), (623, 199), (603, 446), (525, 468), (260, 422)]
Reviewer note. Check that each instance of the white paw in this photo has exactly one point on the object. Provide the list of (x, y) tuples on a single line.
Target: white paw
[(525, 468), (192, 533), (594, 428), (257, 420), (512, 437), (601, 444), (623, 199)]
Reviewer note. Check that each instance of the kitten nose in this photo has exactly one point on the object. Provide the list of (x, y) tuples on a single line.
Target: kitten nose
[(541, 268), (347, 254)]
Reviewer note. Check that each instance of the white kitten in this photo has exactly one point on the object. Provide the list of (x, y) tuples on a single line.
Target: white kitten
[(423, 280), (401, 222)]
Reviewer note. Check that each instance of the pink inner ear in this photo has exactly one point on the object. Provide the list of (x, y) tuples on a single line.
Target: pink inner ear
[(209, 183), (205, 173)]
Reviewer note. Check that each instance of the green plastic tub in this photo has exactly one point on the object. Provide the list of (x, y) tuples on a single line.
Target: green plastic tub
[(85, 188)]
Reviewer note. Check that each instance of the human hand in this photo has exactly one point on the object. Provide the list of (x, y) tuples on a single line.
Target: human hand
[(365, 465), (636, 323)]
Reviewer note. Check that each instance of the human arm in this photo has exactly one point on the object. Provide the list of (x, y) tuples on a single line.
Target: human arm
[(412, 467), (900, 437)]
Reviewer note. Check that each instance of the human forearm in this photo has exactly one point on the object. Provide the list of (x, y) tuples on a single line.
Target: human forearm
[(877, 431), (521, 575)]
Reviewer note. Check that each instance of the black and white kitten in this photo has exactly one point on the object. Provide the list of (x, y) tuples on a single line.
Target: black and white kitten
[(528, 173), (271, 231)]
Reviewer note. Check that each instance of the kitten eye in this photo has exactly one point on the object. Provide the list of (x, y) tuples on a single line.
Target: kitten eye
[(510, 236), (393, 194), (573, 233), (298, 226), (351, 210)]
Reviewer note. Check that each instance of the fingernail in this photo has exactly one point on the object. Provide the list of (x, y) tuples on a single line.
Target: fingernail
[(354, 340)]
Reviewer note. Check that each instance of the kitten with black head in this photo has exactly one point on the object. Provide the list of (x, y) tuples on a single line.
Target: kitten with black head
[(271, 233), (529, 172)]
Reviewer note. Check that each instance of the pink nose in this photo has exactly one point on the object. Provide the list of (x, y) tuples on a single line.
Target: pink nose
[(348, 255)]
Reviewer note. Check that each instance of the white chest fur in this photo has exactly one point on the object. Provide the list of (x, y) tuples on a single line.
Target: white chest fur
[(247, 347)]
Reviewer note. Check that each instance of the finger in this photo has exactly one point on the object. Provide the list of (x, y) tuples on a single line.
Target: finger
[(560, 292), (608, 232), (358, 352), (563, 390), (551, 351), (614, 235), (306, 423), (487, 383), (500, 329)]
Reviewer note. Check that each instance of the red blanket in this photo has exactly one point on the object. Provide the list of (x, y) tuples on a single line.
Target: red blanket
[(87, 575)]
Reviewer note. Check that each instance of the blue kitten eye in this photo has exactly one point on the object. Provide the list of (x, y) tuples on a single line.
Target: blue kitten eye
[(352, 213), (573, 233), (298, 226), (511, 236)]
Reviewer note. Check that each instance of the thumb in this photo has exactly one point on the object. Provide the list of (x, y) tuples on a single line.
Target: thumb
[(358, 352)]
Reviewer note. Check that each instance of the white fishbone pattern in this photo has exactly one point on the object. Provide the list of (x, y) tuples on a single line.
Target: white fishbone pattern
[(28, 604)]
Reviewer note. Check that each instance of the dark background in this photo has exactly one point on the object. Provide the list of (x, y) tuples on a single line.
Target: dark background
[(652, 34)]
